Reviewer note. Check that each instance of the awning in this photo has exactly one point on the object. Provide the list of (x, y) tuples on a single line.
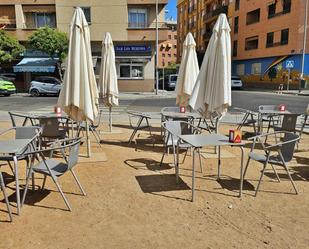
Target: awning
[(36, 65), (275, 62)]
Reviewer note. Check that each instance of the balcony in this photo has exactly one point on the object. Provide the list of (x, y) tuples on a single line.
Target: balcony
[(141, 2), (20, 34), (216, 12)]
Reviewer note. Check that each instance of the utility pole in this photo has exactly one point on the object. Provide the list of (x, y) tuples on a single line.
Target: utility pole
[(157, 44), (304, 45)]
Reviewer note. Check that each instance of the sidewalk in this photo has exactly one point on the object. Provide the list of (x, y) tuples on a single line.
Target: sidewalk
[(294, 92)]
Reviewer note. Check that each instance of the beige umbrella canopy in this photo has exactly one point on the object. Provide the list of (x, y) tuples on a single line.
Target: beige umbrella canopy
[(108, 84), (79, 93), (188, 71), (212, 91)]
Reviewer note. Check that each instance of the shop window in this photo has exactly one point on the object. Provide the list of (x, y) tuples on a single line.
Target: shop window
[(236, 20), (131, 71), (284, 36), (256, 68), (253, 16), (270, 39), (252, 43), (240, 69), (237, 3), (138, 18), (87, 13)]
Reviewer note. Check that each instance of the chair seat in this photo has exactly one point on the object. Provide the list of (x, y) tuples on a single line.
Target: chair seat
[(276, 160), (57, 168), (61, 135)]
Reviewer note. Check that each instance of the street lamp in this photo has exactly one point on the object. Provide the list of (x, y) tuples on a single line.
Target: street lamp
[(157, 44), (304, 45)]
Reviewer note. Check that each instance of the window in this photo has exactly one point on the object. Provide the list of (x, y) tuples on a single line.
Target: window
[(175, 37), (253, 16), (240, 69), (252, 43), (130, 70), (36, 20), (256, 68), (286, 6), (270, 39), (163, 55), (169, 37), (237, 2), (169, 55), (284, 36), (271, 10), (175, 46), (87, 13), (235, 44), (236, 20), (138, 18), (175, 55)]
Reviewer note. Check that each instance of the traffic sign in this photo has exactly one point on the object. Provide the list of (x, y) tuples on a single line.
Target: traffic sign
[(289, 64)]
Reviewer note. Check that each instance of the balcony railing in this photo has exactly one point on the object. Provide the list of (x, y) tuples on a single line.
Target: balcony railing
[(276, 44), (144, 25), (216, 12), (140, 25)]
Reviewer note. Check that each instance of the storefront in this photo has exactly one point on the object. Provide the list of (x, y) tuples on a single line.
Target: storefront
[(135, 67)]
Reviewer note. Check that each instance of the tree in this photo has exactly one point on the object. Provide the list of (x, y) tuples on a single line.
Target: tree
[(51, 41), (10, 48), (272, 73)]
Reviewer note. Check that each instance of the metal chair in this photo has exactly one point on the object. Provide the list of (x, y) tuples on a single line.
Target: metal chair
[(288, 123), (92, 127), (139, 117), (173, 129), (278, 154), (271, 119), (52, 130), (20, 116), (248, 119), (211, 124), (55, 168), (2, 187)]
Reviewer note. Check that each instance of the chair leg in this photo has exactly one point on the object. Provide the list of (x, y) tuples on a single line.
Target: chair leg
[(287, 171), (162, 156), (26, 187), (174, 156), (184, 157), (245, 171), (5, 197), (262, 174), (78, 182), (97, 138), (44, 181), (60, 190), (11, 167), (200, 159), (275, 172)]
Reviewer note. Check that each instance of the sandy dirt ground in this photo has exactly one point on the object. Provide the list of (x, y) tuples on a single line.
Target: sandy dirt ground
[(133, 202)]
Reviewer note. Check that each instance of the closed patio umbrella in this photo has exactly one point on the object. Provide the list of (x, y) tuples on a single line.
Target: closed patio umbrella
[(212, 91), (188, 71), (79, 93), (108, 84)]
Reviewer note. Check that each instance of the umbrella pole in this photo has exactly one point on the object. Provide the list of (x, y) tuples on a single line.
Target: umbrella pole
[(88, 140), (110, 119)]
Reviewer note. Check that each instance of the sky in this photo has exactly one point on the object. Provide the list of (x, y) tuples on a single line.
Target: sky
[(172, 10)]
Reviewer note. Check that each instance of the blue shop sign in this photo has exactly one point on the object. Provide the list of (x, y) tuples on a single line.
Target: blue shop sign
[(133, 49)]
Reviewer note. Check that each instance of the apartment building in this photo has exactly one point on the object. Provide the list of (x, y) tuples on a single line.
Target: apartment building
[(130, 22), (168, 48), (268, 34), (198, 17)]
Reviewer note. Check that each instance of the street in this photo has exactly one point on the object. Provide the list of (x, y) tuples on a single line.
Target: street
[(151, 103)]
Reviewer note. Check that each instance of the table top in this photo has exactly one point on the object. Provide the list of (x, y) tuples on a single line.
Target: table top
[(198, 140), (180, 114), (13, 146), (275, 112)]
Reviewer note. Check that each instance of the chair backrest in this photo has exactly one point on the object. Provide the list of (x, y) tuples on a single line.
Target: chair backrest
[(50, 127), (73, 154), (16, 117), (289, 122), (26, 132), (288, 148), (268, 107), (170, 109), (174, 129)]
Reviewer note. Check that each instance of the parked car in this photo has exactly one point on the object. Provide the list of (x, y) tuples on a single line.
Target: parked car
[(236, 82), (45, 85), (6, 87), (8, 76), (169, 82)]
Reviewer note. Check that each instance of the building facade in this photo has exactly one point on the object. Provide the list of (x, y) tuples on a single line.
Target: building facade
[(265, 34), (168, 49), (130, 22), (269, 34), (198, 17)]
